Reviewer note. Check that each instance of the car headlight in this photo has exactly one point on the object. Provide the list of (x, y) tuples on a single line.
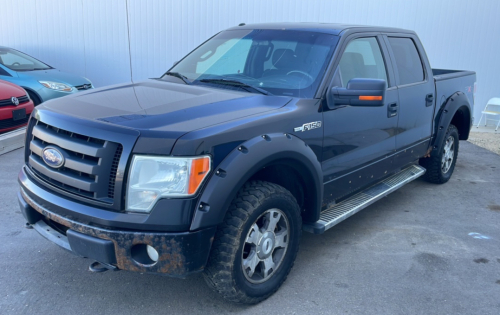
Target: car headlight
[(56, 86), (154, 177)]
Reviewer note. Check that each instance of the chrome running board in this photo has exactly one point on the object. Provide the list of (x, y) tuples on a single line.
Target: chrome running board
[(343, 210)]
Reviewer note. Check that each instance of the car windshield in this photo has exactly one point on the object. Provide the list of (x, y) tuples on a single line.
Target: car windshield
[(17, 61), (280, 62)]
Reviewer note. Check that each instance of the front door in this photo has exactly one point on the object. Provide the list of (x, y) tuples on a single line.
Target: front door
[(359, 141)]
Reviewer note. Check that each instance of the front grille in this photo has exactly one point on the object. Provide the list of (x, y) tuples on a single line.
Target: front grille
[(114, 169), (8, 102), (83, 87), (9, 123), (90, 164)]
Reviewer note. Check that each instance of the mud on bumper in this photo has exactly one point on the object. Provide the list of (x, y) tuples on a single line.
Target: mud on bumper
[(179, 254)]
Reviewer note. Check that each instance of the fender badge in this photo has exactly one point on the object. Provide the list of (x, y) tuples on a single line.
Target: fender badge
[(308, 126)]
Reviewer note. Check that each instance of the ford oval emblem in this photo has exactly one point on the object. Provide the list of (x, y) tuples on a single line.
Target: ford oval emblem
[(53, 157)]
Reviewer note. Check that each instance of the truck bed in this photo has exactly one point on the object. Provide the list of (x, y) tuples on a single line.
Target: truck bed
[(449, 82), (445, 74)]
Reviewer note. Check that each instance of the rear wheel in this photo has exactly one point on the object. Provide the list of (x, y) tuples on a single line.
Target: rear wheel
[(441, 166), (255, 247)]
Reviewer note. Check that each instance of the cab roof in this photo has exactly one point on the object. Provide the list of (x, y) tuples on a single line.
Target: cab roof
[(328, 28)]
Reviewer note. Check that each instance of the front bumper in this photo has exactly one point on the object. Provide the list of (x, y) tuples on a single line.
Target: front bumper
[(180, 254), (6, 113)]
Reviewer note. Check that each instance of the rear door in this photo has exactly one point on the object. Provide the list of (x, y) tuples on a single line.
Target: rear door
[(359, 140), (416, 91)]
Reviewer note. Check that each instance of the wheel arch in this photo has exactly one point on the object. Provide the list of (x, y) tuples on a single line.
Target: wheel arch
[(455, 110), (461, 120), (264, 158), (296, 178), (30, 90)]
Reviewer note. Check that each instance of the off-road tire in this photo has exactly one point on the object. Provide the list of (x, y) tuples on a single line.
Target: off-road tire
[(433, 164), (224, 272)]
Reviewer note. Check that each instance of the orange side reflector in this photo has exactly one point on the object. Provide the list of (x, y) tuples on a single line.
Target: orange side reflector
[(199, 170), (370, 98)]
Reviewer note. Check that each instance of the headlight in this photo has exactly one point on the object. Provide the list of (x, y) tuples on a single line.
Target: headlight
[(153, 177), (56, 86)]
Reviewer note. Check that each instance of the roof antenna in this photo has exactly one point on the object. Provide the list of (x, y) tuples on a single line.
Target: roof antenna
[(241, 24)]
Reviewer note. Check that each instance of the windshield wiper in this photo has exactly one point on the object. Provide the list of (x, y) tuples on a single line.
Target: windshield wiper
[(180, 76), (235, 83)]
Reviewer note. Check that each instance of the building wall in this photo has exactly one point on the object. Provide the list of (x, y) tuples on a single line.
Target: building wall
[(113, 41)]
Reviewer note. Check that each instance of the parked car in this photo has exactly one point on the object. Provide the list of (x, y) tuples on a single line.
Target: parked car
[(41, 81), (15, 106), (259, 133)]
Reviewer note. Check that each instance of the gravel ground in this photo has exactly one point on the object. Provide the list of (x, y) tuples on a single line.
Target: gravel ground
[(489, 141)]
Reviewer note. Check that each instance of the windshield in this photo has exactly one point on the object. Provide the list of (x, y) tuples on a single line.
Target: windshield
[(281, 62), (17, 61)]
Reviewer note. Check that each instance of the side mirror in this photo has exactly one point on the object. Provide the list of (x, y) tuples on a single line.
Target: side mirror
[(359, 92)]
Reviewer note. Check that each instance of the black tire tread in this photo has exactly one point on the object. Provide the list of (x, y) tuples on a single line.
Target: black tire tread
[(433, 163), (218, 272)]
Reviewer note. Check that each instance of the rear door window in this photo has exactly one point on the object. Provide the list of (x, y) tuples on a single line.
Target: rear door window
[(408, 62)]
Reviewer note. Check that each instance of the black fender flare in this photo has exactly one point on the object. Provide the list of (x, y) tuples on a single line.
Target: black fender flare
[(243, 162), (445, 115)]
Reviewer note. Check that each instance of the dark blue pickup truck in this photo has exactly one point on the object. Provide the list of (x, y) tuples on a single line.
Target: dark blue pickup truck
[(260, 133)]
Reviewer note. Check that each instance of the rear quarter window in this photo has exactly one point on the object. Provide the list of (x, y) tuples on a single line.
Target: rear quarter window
[(3, 72)]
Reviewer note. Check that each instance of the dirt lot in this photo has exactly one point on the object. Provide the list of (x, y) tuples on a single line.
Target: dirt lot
[(487, 140)]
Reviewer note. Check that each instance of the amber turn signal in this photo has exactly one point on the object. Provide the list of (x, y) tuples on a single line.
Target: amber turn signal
[(199, 170), (370, 98)]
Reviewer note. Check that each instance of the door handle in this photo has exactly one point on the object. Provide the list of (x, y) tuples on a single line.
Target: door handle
[(392, 110), (429, 100)]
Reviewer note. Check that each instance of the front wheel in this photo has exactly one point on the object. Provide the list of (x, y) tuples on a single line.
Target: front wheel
[(441, 166), (255, 247)]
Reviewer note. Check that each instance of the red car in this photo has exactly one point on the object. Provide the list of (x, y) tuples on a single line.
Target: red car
[(15, 106)]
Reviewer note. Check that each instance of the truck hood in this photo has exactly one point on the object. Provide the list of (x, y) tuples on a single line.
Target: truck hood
[(53, 75), (163, 109)]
